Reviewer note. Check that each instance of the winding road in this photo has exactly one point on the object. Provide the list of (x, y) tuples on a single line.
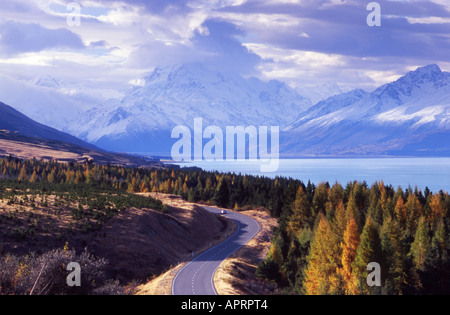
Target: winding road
[(197, 277)]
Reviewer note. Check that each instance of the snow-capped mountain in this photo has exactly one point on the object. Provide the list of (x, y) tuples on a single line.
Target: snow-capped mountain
[(143, 120), (410, 116)]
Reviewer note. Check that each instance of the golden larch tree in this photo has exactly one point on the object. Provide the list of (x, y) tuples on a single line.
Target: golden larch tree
[(349, 248)]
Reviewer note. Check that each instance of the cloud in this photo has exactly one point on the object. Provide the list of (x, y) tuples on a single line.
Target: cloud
[(298, 41), (227, 53), (339, 27), (217, 46), (17, 38), (290, 36)]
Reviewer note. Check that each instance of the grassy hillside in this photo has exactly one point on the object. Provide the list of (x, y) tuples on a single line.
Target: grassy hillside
[(24, 147)]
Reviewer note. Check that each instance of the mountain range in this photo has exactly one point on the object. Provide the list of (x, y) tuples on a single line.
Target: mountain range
[(171, 96), (408, 117)]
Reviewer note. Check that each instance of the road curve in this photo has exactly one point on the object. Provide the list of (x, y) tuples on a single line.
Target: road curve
[(197, 277)]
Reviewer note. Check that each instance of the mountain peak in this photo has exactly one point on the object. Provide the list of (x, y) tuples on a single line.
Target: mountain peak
[(430, 72), (432, 68), (183, 73), (414, 82)]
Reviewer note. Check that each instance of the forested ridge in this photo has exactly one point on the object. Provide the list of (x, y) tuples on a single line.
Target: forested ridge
[(327, 234)]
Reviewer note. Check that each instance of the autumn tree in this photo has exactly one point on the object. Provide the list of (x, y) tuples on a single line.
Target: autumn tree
[(34, 177), (400, 212), (436, 208), (349, 247), (414, 212), (321, 276), (23, 174)]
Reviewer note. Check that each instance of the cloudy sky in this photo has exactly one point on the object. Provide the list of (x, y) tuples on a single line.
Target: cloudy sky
[(301, 42)]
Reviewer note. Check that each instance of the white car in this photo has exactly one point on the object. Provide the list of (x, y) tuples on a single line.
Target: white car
[(224, 212)]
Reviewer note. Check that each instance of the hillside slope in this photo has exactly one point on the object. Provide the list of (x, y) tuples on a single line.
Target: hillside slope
[(13, 120), (25, 138), (22, 147), (138, 242)]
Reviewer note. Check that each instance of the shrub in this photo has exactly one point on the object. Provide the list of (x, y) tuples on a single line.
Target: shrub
[(46, 274)]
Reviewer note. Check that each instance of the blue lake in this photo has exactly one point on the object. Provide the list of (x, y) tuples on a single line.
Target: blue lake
[(433, 173)]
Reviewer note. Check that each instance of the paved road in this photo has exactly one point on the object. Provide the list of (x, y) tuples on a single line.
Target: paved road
[(197, 277)]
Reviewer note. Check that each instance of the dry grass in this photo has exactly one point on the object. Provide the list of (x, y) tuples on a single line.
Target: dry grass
[(39, 151), (23, 147), (39, 228)]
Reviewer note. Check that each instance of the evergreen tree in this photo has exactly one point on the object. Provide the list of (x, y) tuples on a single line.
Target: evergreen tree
[(414, 211), (394, 254), (301, 212), (421, 245), (369, 250), (434, 275), (222, 197), (400, 212)]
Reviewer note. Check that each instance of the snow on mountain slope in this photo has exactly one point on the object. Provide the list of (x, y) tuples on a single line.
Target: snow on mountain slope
[(143, 120), (398, 118)]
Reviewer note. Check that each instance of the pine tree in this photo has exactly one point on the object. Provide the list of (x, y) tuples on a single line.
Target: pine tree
[(340, 220), (414, 211), (353, 211), (23, 174), (321, 275), (34, 177), (222, 197), (434, 275), (301, 212), (369, 250), (394, 254), (436, 207), (421, 245), (349, 247), (400, 212), (320, 199), (52, 177)]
